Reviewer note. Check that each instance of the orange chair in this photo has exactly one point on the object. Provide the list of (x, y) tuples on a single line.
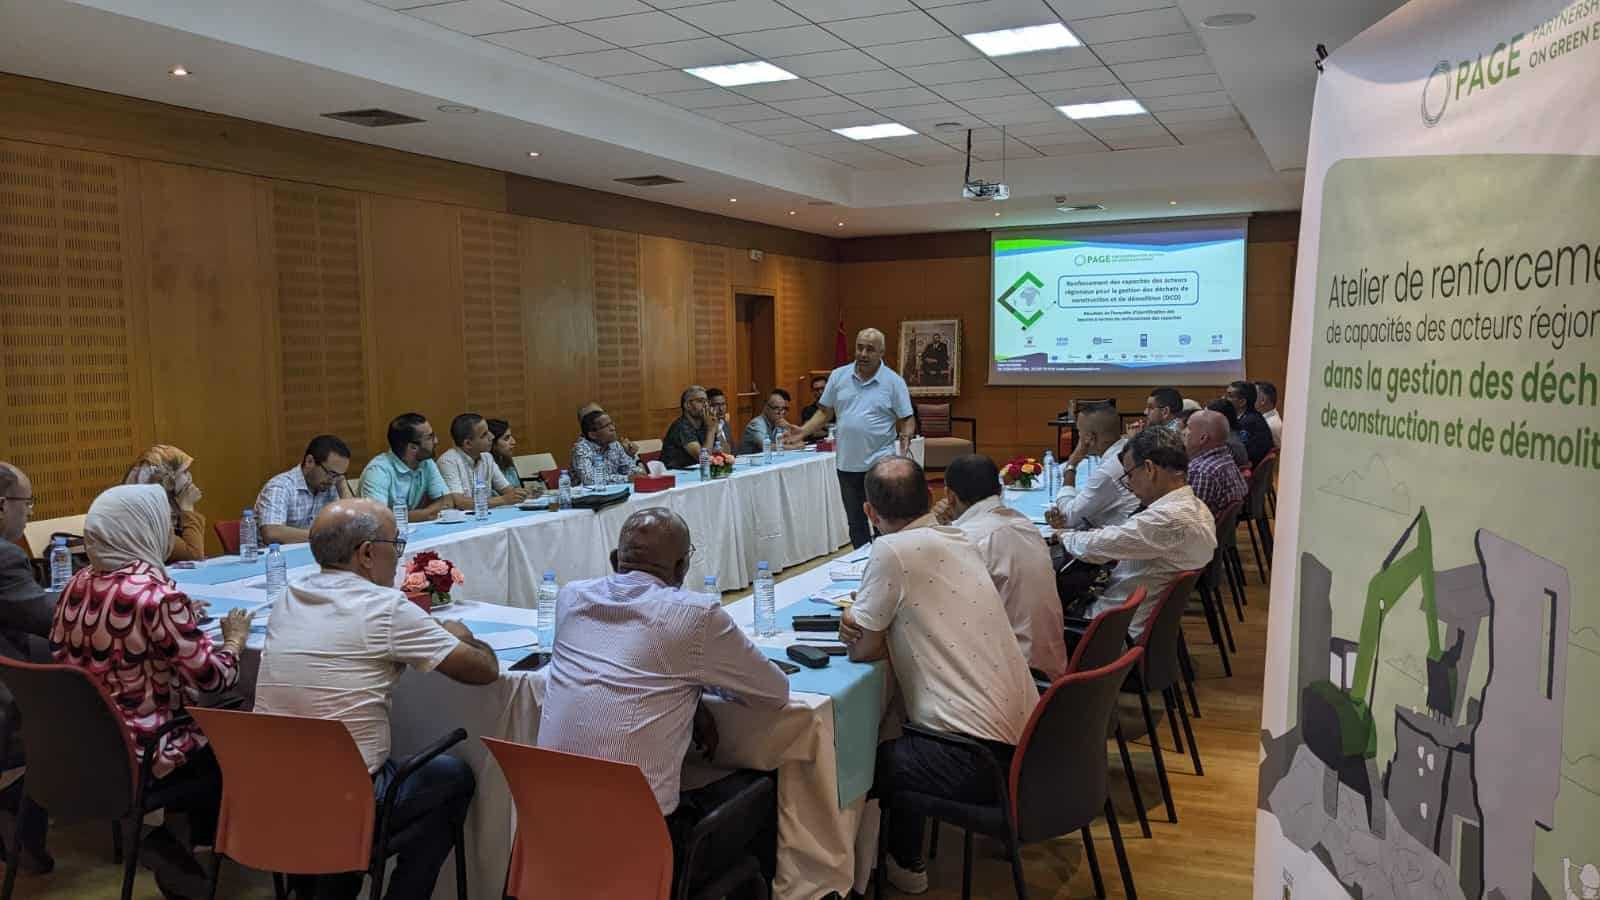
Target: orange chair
[(609, 839), (228, 533), (297, 798)]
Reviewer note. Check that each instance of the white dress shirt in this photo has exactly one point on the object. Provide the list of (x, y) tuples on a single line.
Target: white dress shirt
[(954, 656), (1174, 534), (1275, 423), (1098, 499), (336, 644), (630, 659), (1019, 564), (460, 473)]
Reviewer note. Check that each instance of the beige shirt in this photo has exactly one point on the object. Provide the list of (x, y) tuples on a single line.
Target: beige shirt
[(460, 472), (1019, 564), (956, 660), (336, 644)]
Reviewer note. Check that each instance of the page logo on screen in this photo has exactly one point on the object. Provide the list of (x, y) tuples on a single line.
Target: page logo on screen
[(1436, 93), (1028, 282)]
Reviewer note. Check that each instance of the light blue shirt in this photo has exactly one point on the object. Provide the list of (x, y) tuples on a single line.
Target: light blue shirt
[(865, 414), (387, 479)]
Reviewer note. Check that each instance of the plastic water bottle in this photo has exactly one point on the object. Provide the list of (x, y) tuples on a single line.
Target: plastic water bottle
[(480, 500), (401, 520), (766, 450), (766, 601), (710, 587), (831, 434), (249, 540), (777, 443), (564, 490), (1049, 475), (705, 464), (277, 574), (547, 599), (60, 564)]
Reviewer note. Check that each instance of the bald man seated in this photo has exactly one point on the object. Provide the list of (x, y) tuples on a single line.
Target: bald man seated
[(632, 655), (1213, 473), (337, 642)]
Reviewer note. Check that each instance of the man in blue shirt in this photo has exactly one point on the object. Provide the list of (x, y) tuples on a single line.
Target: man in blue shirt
[(871, 407), (407, 473)]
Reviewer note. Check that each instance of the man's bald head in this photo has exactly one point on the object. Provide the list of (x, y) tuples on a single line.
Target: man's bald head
[(654, 541), (1207, 429), (1102, 422), (13, 513), (344, 525)]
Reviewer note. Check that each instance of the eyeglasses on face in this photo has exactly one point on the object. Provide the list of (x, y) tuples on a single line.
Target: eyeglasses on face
[(399, 544), (27, 500)]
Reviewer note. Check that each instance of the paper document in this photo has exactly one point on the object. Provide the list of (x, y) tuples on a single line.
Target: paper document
[(510, 640), (847, 571)]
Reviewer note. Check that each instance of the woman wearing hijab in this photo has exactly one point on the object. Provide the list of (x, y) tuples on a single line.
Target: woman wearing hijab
[(125, 623), (166, 465)]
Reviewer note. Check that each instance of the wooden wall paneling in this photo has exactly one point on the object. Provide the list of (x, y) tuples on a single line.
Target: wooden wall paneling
[(614, 256), (752, 276), (210, 363), (493, 346), (318, 280), (411, 289), (66, 116), (70, 354), (807, 316), (712, 299), (558, 300), (666, 328)]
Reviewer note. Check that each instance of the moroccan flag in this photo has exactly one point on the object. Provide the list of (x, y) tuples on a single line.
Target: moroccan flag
[(841, 347)]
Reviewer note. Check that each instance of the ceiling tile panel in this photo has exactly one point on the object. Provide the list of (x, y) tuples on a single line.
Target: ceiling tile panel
[(1187, 101), (993, 15), (479, 16), (911, 96), (1213, 135), (847, 119), (817, 135), (888, 29), (579, 10), (987, 87), (797, 89), (1048, 60), (775, 42), (1175, 67), (1127, 26), (606, 62), (1142, 143), (835, 62), (784, 125), (1203, 114), (708, 51), (734, 16), (701, 99), (640, 29), (927, 112), (917, 53), (881, 80), (829, 10), (743, 112), (948, 72), (1073, 149), (1011, 117), (1068, 79), (553, 40), (817, 106), (1061, 128), (659, 82), (1122, 132), (1086, 95), (1086, 9), (1166, 87), (1141, 49)]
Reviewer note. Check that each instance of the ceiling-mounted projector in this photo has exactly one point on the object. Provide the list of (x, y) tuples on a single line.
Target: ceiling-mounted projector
[(978, 189)]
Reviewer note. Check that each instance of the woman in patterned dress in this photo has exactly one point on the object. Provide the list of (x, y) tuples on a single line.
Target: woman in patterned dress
[(135, 632)]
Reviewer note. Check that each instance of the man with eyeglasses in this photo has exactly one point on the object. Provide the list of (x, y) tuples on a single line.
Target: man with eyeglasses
[(26, 611), (337, 641), (773, 417), (290, 501), (406, 472), (1174, 533)]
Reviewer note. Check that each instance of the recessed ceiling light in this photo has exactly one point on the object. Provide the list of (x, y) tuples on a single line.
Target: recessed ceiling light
[(1079, 207), (1023, 40), (533, 154), (997, 215), (1100, 110), (736, 74), (874, 132), (179, 72), (733, 199), (1228, 20), (1172, 203), (458, 108), (839, 225), (791, 212)]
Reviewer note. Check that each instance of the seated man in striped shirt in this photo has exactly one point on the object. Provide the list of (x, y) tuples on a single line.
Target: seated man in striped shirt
[(632, 655)]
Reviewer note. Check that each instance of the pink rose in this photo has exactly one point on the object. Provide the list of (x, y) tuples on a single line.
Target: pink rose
[(455, 575), (436, 567), (416, 581)]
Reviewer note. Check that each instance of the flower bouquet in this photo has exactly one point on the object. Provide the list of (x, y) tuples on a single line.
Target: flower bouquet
[(429, 580), (721, 464), (1020, 472)]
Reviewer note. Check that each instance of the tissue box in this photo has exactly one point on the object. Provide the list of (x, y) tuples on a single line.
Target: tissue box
[(649, 484)]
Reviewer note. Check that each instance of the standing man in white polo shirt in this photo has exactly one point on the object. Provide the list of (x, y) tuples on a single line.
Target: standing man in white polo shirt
[(871, 406)]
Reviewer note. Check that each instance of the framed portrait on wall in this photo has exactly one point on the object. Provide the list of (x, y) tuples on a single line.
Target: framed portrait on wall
[(930, 357)]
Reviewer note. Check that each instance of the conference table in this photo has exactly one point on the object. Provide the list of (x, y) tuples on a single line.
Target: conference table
[(821, 744)]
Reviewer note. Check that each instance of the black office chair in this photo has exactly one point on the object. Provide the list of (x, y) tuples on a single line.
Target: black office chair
[(720, 844), (1056, 783)]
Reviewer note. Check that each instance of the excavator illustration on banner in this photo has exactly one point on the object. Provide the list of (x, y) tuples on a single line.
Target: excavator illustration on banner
[(1337, 721)]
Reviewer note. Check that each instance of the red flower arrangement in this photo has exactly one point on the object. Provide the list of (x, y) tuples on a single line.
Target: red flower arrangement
[(1021, 471), (721, 464), (429, 579)]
